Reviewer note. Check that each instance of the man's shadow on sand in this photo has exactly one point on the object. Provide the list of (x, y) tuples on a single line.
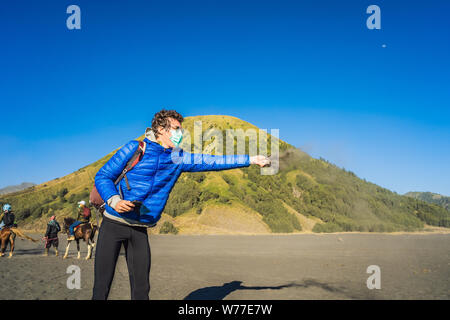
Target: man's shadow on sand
[(220, 292)]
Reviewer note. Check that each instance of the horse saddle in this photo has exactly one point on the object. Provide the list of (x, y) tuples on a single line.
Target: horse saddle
[(83, 223)]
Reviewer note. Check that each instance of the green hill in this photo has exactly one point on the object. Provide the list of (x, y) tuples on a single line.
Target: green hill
[(430, 197), (306, 195)]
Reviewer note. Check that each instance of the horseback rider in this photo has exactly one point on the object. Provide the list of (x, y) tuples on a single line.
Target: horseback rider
[(51, 235), (7, 217), (84, 215), (9, 230)]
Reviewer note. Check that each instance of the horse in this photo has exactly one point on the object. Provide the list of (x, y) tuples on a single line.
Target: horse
[(8, 234), (85, 231)]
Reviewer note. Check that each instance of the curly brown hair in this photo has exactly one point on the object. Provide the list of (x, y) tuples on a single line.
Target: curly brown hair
[(161, 119)]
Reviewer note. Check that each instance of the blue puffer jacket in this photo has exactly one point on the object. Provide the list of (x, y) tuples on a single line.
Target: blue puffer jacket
[(152, 179)]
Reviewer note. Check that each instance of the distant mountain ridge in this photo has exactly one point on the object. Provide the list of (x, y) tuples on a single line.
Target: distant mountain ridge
[(431, 197), (19, 187)]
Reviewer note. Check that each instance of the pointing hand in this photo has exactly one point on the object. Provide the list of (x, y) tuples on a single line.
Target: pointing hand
[(260, 160)]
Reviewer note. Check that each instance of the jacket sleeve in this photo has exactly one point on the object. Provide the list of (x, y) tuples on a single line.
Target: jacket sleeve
[(194, 162), (106, 176)]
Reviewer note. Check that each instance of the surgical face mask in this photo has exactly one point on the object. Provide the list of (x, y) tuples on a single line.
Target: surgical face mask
[(177, 136)]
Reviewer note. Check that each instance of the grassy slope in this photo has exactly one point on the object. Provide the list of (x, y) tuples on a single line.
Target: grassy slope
[(308, 194)]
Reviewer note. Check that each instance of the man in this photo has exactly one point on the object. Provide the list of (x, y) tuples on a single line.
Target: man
[(51, 235), (7, 217), (149, 183), (84, 215)]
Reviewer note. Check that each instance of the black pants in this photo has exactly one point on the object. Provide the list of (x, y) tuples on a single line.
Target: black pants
[(111, 236)]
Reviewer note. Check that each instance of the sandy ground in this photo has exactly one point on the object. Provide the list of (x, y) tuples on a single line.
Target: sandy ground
[(303, 266)]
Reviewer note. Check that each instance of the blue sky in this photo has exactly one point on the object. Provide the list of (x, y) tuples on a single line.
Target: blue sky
[(310, 68)]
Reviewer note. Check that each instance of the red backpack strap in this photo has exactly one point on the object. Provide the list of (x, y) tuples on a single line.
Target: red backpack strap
[(141, 151), (137, 156), (133, 161)]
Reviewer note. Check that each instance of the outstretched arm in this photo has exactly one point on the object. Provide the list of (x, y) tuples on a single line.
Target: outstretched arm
[(195, 162)]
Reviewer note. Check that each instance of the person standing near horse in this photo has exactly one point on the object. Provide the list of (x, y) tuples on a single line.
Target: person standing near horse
[(51, 236), (136, 202), (84, 216)]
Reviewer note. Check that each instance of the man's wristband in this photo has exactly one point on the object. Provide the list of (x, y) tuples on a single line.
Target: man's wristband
[(113, 201)]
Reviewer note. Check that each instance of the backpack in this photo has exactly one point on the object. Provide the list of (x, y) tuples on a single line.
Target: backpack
[(96, 200)]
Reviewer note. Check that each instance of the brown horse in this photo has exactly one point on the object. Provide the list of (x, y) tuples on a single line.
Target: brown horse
[(8, 235), (85, 231)]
